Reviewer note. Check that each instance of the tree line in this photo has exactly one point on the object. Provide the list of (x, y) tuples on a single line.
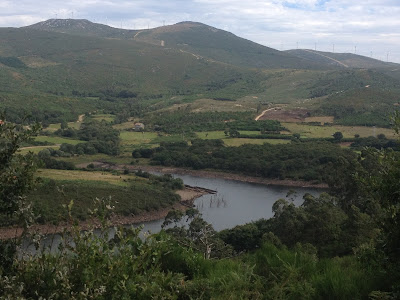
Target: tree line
[(341, 245), (297, 160)]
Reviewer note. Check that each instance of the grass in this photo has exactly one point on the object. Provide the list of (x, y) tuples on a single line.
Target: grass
[(124, 126), (322, 120), (125, 158), (137, 138), (36, 149), (84, 176), (105, 117), (128, 193), (53, 127), (211, 135), (75, 125), (235, 142), (326, 131), (57, 140)]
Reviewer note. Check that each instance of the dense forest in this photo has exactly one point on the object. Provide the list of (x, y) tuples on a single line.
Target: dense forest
[(341, 245), (209, 121), (297, 160)]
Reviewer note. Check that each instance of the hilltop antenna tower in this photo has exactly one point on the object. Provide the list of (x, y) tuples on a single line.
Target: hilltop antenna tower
[(315, 46), (355, 49)]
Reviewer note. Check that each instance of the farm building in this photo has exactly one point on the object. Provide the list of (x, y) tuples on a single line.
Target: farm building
[(139, 127)]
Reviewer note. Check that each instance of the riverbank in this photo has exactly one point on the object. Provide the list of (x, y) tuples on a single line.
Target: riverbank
[(188, 195), (210, 174), (237, 177)]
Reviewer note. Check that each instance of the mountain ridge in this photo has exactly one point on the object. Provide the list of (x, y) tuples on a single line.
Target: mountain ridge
[(192, 37), (52, 64)]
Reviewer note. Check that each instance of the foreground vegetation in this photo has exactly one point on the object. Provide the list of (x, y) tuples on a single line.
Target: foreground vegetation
[(338, 246), (198, 100)]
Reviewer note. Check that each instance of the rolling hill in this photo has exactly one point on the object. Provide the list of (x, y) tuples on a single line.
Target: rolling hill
[(46, 65), (61, 68), (345, 60), (198, 39)]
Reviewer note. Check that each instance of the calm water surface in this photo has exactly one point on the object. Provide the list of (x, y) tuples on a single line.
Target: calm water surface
[(239, 202), (235, 203)]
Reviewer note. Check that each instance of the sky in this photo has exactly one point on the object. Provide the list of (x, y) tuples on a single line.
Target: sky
[(366, 27)]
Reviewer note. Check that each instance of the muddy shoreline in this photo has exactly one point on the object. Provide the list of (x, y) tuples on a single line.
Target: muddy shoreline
[(213, 174), (188, 195)]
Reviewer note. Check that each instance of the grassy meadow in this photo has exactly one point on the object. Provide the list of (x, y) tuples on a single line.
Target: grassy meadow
[(311, 131), (57, 140), (116, 179)]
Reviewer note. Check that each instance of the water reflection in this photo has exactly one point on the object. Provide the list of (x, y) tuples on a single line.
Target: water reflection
[(235, 203)]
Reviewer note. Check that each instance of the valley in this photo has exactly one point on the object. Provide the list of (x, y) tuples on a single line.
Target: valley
[(300, 147), (183, 90)]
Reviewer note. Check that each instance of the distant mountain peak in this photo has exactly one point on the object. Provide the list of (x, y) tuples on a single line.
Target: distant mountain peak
[(191, 23), (54, 23), (81, 27)]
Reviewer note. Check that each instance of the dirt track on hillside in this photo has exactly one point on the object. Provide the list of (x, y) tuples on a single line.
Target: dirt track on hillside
[(283, 115)]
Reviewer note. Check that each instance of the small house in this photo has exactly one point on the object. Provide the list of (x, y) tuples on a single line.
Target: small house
[(139, 127)]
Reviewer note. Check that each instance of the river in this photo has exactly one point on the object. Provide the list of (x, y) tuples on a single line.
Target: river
[(235, 203)]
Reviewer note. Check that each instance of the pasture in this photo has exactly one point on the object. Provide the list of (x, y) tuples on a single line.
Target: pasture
[(119, 180), (57, 140), (309, 131)]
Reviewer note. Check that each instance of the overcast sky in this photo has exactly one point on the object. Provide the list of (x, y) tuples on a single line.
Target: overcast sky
[(366, 27)]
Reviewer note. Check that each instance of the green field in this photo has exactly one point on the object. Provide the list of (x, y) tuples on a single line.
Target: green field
[(124, 126), (53, 127), (120, 180), (57, 140), (36, 149), (211, 135), (235, 142), (309, 131), (105, 117), (124, 158), (137, 138)]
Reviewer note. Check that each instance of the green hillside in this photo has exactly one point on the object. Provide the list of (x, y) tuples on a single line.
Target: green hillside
[(198, 39), (220, 45), (59, 69), (345, 60), (37, 64)]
